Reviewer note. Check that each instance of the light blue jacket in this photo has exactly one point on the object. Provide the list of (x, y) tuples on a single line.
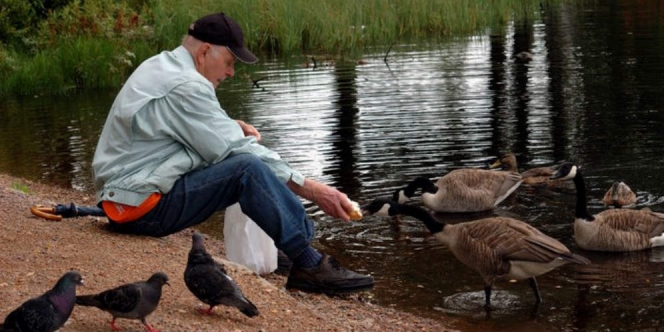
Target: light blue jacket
[(166, 121)]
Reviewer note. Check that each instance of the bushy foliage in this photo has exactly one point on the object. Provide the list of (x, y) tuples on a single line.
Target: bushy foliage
[(16, 19), (8, 63), (83, 44), (94, 18), (20, 18), (43, 7)]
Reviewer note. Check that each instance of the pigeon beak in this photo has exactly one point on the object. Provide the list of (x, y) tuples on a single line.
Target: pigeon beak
[(81, 283), (169, 285)]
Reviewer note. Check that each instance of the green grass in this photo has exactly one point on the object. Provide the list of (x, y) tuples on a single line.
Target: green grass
[(21, 187), (97, 43)]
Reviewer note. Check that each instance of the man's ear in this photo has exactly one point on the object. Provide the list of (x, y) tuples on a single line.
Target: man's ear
[(201, 51)]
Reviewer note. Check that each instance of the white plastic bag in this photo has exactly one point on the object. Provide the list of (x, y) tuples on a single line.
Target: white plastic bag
[(248, 244)]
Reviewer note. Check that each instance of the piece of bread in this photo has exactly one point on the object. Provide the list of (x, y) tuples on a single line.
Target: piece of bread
[(356, 213)]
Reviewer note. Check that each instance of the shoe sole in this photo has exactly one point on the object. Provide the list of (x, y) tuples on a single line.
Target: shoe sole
[(282, 271), (312, 288)]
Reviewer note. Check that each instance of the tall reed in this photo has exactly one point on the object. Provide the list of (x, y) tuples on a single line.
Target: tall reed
[(285, 26)]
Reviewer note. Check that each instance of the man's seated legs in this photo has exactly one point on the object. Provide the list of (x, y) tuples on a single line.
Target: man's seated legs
[(265, 199)]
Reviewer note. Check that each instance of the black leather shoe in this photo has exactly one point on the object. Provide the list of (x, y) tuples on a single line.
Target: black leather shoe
[(329, 278), (283, 264)]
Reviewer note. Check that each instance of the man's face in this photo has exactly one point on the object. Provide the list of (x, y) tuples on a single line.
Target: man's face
[(215, 63)]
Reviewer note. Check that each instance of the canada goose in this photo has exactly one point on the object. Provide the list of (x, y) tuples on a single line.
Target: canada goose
[(496, 247), (619, 195), (533, 176), (611, 230), (462, 190)]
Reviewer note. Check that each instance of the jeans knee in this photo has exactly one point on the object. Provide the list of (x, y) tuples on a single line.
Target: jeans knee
[(251, 163)]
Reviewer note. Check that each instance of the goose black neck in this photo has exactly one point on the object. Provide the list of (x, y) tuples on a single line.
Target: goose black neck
[(581, 198), (423, 183), (423, 215)]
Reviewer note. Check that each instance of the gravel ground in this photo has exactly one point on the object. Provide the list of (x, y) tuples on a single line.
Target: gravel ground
[(35, 253)]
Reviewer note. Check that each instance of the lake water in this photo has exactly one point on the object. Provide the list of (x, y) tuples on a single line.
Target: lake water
[(593, 93)]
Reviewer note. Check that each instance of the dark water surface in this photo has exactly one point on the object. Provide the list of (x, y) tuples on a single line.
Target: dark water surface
[(593, 93)]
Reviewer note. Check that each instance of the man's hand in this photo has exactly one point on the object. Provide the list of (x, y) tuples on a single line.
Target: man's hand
[(333, 202), (249, 130)]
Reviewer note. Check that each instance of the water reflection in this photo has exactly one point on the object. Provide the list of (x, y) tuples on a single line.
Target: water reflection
[(52, 139), (592, 93), (342, 160), (614, 285)]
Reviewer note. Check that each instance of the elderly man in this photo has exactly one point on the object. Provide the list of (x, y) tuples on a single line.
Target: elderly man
[(169, 157)]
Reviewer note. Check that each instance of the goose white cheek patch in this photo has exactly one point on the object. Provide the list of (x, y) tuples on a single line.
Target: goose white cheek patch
[(572, 173), (384, 211), (402, 197)]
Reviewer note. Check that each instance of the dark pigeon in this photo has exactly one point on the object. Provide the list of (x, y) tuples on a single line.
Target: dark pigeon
[(132, 301), (208, 280), (48, 312)]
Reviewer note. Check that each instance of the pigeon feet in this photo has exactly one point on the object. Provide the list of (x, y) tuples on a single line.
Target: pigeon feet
[(150, 328), (205, 311), (113, 327)]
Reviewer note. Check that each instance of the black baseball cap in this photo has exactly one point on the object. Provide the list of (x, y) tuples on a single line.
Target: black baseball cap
[(219, 29)]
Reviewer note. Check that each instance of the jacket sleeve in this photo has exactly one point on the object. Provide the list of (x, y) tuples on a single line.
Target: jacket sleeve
[(192, 116)]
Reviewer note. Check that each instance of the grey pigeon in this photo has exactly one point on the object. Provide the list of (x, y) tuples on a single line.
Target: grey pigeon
[(47, 312), (132, 301), (208, 280)]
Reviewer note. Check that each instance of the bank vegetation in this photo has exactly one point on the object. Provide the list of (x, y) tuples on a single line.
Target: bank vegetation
[(60, 46)]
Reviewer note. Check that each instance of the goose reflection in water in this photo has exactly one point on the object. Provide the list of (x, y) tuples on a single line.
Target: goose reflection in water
[(617, 287)]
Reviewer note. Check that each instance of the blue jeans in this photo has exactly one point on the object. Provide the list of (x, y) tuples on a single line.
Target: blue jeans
[(242, 178)]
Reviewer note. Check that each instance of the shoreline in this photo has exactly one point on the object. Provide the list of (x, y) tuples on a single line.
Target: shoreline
[(37, 252)]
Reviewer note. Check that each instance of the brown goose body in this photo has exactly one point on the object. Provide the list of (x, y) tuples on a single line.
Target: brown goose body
[(620, 230), (611, 230), (463, 190), (505, 248), (470, 190), (495, 247), (533, 176), (619, 195)]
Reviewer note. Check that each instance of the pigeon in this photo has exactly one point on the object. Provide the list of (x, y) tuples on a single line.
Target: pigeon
[(47, 312), (210, 283), (132, 301)]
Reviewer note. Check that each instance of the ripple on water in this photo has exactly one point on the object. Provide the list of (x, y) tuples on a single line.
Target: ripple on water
[(471, 304)]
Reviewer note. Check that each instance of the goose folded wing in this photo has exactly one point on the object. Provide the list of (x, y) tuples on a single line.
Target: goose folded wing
[(642, 221), (515, 240), (498, 235), (653, 224), (504, 181)]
